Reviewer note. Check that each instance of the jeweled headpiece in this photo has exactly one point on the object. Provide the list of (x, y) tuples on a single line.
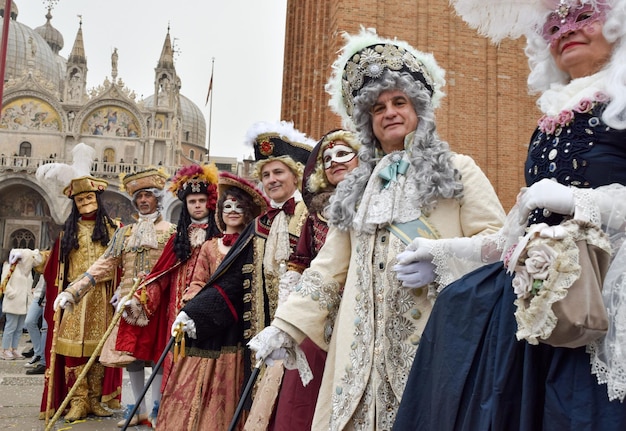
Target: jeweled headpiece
[(366, 56), (502, 19)]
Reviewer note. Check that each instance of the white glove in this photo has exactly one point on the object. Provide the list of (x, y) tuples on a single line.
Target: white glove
[(189, 326), (271, 344), (546, 194), (15, 255), (115, 299), (415, 274), (287, 284), (121, 303), (417, 251), (423, 249), (64, 301)]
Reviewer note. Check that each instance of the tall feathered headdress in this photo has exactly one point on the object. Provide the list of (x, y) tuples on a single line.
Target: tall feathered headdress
[(196, 179), (502, 19), (61, 173)]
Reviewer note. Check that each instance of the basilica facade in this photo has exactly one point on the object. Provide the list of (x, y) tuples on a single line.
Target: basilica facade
[(47, 109)]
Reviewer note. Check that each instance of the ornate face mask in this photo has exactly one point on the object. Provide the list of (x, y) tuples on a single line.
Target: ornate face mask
[(232, 206), (337, 152), (86, 203), (571, 16)]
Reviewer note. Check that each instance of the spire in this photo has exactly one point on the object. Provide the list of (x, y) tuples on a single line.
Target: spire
[(167, 54), (51, 35), (77, 56)]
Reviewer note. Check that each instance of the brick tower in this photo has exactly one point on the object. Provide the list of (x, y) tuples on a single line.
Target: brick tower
[(487, 112)]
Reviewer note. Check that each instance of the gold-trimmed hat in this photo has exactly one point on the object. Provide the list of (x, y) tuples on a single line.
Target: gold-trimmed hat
[(83, 185), (148, 179), (276, 139)]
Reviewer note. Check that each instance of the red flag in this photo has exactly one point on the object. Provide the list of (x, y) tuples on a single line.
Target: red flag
[(210, 88)]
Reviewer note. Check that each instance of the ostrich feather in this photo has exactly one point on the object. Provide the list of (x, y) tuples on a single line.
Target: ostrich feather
[(62, 173)]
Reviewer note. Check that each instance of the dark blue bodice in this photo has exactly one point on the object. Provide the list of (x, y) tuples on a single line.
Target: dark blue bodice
[(584, 153)]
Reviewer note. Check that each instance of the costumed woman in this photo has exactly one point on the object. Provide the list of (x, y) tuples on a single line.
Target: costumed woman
[(487, 365), (408, 183), (163, 289), (203, 388)]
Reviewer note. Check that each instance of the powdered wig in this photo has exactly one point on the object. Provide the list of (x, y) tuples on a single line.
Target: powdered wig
[(296, 168), (434, 174), (158, 194), (318, 180)]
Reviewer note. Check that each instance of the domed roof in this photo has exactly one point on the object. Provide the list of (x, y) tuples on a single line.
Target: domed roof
[(28, 50), (51, 34), (193, 120)]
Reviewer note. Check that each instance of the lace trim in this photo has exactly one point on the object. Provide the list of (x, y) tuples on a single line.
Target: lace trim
[(585, 206)]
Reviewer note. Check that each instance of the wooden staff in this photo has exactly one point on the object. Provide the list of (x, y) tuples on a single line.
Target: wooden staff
[(94, 355), (58, 282)]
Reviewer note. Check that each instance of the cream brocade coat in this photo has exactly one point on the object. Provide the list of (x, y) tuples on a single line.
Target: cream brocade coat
[(350, 303)]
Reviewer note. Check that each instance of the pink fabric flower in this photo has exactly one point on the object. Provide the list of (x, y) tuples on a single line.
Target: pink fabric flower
[(584, 105)]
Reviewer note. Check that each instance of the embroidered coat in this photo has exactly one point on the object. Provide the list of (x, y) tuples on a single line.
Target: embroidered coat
[(350, 303)]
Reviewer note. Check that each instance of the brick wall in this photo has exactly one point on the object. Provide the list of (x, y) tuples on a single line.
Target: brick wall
[(487, 112)]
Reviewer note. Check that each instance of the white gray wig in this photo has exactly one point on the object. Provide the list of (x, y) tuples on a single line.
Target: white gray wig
[(158, 193), (434, 173)]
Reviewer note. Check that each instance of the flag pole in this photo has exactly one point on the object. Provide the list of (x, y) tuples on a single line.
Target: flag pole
[(210, 95), (3, 47)]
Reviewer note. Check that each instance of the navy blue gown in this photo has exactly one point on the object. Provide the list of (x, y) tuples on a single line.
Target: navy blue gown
[(470, 373)]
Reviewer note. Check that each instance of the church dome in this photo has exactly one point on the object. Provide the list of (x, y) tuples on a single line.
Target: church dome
[(194, 124), (27, 50), (51, 35)]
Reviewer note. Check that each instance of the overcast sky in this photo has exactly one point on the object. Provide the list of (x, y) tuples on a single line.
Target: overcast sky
[(246, 38)]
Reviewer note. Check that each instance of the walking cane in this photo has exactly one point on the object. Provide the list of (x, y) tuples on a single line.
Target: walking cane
[(60, 280), (156, 368), (93, 358), (245, 394)]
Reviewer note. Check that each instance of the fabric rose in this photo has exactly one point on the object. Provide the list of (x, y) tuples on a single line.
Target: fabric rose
[(522, 282), (583, 106), (539, 259), (565, 117)]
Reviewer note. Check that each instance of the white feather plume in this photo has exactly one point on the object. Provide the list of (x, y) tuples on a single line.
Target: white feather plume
[(62, 173), (282, 128)]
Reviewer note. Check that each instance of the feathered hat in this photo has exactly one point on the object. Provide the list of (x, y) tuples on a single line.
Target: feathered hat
[(228, 180), (196, 179), (75, 176), (151, 178), (276, 139), (365, 57), (502, 19)]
